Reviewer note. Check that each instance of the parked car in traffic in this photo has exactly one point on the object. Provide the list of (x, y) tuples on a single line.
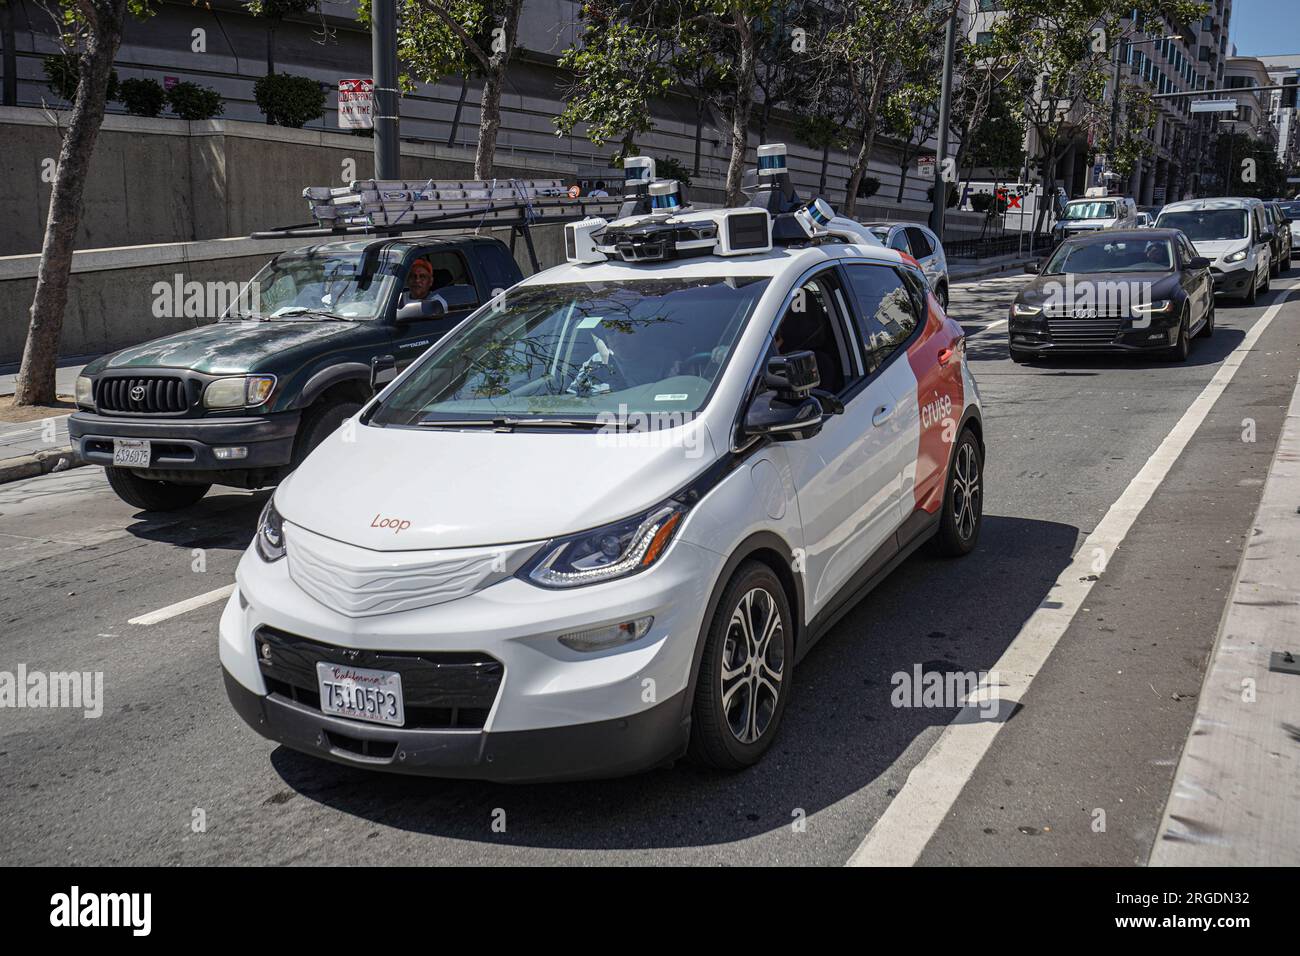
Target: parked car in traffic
[(243, 400), (1134, 290), (1234, 234), (922, 245)]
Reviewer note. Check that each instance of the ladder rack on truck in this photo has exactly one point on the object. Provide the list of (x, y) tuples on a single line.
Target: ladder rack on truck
[(393, 207)]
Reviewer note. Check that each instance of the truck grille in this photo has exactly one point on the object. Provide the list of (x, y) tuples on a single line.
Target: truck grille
[(143, 395)]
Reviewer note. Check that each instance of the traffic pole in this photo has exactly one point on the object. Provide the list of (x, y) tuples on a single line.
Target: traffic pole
[(940, 190), (383, 56)]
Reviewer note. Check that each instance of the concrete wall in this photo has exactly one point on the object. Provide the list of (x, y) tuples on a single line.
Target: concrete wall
[(111, 291)]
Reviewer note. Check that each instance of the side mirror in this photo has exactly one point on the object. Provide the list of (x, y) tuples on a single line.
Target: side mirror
[(1267, 236), (775, 417), (1198, 262), (421, 309), (383, 369), (1032, 268)]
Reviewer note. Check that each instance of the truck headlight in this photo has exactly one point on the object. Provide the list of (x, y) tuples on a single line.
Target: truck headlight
[(270, 533), (603, 554), (1235, 256), (238, 392), (85, 391)]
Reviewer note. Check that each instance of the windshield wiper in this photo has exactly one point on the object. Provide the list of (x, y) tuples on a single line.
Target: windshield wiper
[(510, 424), (301, 310)]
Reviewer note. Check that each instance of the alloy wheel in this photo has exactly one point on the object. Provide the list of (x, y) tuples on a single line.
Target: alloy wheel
[(753, 665), (966, 491)]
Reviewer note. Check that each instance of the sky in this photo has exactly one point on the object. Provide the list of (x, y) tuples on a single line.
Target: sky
[(1265, 27)]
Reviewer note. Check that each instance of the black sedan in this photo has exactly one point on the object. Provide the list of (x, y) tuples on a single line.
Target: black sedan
[(1130, 290)]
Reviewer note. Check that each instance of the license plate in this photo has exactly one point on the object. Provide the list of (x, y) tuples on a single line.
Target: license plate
[(361, 693), (131, 452)]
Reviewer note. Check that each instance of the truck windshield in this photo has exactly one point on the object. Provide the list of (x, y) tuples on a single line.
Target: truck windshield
[(1206, 225), (1090, 210), (585, 350), (316, 285)]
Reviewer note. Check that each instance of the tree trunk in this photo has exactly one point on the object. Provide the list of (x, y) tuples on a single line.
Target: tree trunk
[(826, 159), (699, 133), (460, 105), (866, 142), (35, 385), (489, 117), (742, 107)]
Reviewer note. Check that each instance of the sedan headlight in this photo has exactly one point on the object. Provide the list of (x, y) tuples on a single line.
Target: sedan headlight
[(85, 391), (1024, 308), (1235, 256), (603, 554), (270, 533), (239, 392), (1158, 307)]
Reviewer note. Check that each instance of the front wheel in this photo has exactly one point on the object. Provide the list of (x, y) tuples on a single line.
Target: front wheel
[(745, 674), (1252, 290), (963, 500), (319, 423), (150, 494), (1208, 328), (1180, 351)]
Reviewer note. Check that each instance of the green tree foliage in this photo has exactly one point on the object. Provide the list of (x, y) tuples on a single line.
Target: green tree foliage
[(287, 100), (142, 97), (193, 102)]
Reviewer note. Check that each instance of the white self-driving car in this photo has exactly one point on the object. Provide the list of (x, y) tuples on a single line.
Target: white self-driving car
[(596, 526)]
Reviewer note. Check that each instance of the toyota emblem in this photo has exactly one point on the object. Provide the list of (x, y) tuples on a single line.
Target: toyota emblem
[(137, 393)]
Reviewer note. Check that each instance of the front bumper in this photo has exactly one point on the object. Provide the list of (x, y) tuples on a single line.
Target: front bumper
[(186, 444), (1232, 281), (555, 713), (1081, 335)]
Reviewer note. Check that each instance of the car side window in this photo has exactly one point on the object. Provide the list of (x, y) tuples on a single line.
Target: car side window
[(919, 241), (1188, 250), (499, 266), (899, 241), (815, 322), (887, 313)]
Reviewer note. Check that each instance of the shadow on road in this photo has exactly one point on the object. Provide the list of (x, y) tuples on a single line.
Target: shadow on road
[(220, 520), (840, 733), (1211, 351)]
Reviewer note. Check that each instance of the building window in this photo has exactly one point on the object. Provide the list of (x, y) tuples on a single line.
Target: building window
[(983, 38)]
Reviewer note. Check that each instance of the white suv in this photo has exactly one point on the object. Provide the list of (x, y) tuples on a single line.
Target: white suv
[(597, 525)]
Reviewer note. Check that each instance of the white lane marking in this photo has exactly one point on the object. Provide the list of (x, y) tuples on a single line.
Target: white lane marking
[(183, 607), (911, 819), (985, 328)]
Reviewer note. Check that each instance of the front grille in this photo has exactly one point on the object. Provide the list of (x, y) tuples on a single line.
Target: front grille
[(1095, 331), (143, 395), (441, 690)]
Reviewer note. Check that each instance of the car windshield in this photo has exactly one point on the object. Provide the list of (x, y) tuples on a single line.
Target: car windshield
[(1206, 225), (320, 284), (1090, 210), (645, 347), (1113, 255)]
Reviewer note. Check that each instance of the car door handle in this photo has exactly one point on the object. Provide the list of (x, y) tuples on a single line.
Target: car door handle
[(944, 355), (882, 414)]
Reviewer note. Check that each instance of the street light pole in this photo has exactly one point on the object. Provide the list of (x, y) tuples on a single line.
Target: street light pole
[(940, 190), (383, 56)]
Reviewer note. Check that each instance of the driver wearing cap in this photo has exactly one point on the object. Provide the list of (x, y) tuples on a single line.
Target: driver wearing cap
[(419, 283)]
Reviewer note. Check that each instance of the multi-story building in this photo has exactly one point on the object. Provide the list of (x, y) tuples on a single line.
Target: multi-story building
[(1285, 119)]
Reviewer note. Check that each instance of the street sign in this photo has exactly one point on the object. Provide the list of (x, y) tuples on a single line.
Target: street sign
[(1214, 106), (356, 98), (925, 167)]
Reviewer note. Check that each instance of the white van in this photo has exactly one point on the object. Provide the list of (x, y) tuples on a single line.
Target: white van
[(1234, 234), (595, 527), (1095, 211)]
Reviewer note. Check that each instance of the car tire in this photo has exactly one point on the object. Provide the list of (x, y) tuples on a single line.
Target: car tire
[(941, 294), (1020, 357), (150, 494), (1208, 328), (319, 423), (1268, 280), (1180, 352), (963, 500), (728, 732), (1252, 290)]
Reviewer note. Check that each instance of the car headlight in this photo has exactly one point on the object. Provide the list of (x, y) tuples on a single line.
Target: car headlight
[(270, 533), (1158, 307), (1024, 308), (238, 392), (1235, 256), (603, 554), (85, 391)]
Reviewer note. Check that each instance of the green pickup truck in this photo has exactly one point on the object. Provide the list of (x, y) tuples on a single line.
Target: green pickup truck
[(242, 401)]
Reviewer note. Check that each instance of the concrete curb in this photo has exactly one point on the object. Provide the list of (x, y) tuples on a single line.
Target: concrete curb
[(42, 463), (978, 273)]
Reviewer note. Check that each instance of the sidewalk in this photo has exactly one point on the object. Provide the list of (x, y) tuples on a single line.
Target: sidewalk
[(1236, 795), (964, 270), (34, 448)]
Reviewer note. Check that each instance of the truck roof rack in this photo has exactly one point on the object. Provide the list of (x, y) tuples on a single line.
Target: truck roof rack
[(391, 207)]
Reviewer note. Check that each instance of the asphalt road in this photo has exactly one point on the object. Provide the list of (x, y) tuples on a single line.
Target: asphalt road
[(1101, 727)]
